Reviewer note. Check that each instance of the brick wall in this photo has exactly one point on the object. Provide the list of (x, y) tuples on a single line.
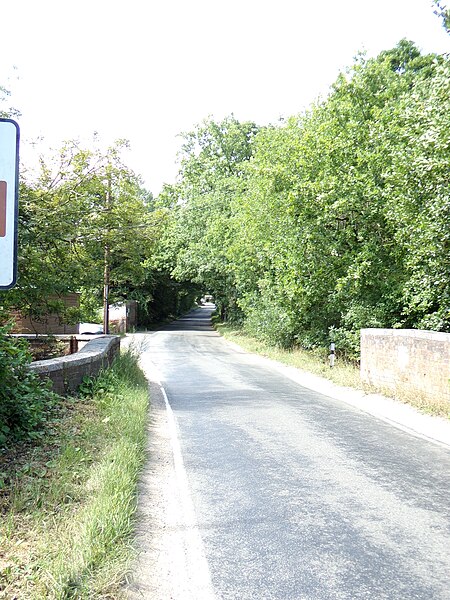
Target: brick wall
[(123, 317), (67, 372), (48, 324), (131, 315), (408, 360)]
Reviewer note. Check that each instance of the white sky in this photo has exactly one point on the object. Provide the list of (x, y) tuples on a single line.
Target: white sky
[(146, 70)]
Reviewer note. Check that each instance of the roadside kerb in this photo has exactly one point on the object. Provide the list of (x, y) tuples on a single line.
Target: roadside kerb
[(398, 414)]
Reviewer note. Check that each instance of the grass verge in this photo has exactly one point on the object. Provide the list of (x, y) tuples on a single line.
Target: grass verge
[(68, 504), (343, 373), (316, 362)]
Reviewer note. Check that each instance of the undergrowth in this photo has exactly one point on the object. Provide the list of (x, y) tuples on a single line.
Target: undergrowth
[(25, 401), (68, 502)]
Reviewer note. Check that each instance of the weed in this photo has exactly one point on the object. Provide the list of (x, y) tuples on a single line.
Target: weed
[(70, 499)]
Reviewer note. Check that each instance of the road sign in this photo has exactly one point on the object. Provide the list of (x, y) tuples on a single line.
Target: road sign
[(9, 188)]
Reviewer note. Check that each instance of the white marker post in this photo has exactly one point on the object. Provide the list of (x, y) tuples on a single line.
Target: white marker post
[(332, 356), (9, 194)]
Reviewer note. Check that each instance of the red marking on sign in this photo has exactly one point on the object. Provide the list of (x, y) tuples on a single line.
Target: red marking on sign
[(2, 208)]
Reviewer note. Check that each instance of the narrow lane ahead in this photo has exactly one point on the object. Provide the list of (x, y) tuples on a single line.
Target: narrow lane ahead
[(289, 494)]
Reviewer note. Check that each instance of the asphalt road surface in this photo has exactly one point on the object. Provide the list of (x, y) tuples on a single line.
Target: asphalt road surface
[(258, 488)]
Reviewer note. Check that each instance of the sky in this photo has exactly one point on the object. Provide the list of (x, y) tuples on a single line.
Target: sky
[(147, 71)]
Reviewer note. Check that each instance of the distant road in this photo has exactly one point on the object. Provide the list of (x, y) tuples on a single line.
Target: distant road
[(258, 488)]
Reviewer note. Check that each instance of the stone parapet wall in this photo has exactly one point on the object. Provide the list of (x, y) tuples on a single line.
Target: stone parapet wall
[(407, 360), (67, 372)]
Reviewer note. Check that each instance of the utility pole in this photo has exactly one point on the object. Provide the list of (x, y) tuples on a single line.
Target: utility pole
[(106, 290), (106, 267)]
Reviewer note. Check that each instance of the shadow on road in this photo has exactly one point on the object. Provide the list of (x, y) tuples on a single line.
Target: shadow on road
[(198, 319)]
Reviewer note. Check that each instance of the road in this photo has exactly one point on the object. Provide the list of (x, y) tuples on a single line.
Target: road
[(258, 488)]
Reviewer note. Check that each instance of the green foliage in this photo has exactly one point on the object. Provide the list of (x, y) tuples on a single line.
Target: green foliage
[(160, 297), (419, 191), (24, 399), (85, 207), (83, 214), (443, 12), (68, 505), (268, 319), (199, 228), (125, 371), (335, 219)]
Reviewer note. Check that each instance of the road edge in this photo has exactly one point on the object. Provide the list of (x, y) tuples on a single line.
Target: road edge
[(398, 414)]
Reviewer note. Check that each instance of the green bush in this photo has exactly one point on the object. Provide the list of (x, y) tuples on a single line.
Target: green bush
[(268, 320), (24, 398)]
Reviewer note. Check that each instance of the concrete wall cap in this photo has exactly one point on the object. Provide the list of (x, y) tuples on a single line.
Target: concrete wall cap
[(410, 333), (101, 344), (93, 349), (46, 366)]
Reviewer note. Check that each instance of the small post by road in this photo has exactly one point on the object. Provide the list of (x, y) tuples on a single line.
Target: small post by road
[(332, 356)]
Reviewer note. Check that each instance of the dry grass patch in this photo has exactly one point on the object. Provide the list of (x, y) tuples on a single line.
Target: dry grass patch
[(343, 373)]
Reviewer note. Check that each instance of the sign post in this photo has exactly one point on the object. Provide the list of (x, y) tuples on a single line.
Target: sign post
[(9, 195)]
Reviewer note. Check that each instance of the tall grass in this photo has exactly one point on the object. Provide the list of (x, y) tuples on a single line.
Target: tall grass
[(75, 519), (343, 373), (314, 361)]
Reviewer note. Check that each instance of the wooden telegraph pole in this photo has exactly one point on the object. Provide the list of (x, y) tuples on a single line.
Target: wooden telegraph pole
[(107, 266), (106, 290)]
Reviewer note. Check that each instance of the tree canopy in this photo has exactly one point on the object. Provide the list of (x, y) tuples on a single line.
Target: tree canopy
[(333, 220), (305, 231)]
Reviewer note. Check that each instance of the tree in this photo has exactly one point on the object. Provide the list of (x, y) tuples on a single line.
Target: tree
[(419, 192), (85, 216), (212, 173), (309, 230), (443, 12)]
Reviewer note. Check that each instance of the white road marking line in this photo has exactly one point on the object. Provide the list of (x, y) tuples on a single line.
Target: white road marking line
[(189, 566)]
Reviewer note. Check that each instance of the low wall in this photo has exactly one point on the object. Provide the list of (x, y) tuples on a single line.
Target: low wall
[(67, 372), (407, 360)]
